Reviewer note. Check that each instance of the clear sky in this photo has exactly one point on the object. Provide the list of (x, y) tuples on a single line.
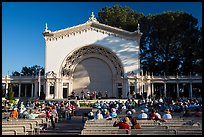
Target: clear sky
[(24, 22)]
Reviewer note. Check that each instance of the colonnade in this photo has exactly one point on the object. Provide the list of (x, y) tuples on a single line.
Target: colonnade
[(142, 84), (146, 83)]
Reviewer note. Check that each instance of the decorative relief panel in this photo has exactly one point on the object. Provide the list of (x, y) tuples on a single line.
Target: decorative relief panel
[(66, 69), (51, 74)]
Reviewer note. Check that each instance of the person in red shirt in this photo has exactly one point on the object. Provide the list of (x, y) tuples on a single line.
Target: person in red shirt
[(152, 115), (122, 124), (72, 109), (197, 113)]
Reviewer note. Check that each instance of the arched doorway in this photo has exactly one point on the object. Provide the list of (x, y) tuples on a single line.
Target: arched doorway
[(93, 68), (93, 74)]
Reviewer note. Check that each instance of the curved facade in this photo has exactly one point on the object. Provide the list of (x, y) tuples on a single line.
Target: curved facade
[(92, 57)]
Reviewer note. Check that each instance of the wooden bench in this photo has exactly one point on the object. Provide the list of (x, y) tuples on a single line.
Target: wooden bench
[(139, 121), (189, 131), (9, 132), (38, 123), (131, 132), (145, 123), (143, 127), (21, 130), (30, 125)]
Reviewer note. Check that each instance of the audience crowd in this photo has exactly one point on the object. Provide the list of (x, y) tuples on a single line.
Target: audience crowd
[(161, 109), (148, 109), (51, 110)]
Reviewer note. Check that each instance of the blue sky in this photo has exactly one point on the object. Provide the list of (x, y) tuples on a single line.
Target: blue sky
[(24, 22)]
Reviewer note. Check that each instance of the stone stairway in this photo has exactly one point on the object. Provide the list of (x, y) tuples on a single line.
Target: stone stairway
[(68, 127)]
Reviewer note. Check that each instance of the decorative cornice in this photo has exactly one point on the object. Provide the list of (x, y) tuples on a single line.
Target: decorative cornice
[(93, 25)]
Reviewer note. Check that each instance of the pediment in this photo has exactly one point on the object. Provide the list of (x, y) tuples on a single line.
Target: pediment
[(94, 25)]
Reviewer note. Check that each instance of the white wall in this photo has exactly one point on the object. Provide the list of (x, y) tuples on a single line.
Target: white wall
[(57, 51)]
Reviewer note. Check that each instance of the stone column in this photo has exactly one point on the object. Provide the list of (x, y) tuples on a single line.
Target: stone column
[(152, 89), (177, 89), (135, 85), (56, 89), (25, 90), (36, 88), (148, 88), (190, 92), (19, 90), (138, 87), (6, 90), (61, 89), (127, 87), (32, 90), (47, 90), (44, 86), (164, 89)]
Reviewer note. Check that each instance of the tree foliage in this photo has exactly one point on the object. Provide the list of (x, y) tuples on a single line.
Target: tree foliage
[(171, 42), (28, 71), (120, 17)]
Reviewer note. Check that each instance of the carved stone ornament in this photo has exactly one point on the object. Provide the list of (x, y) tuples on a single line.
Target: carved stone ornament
[(87, 50), (51, 74), (51, 83)]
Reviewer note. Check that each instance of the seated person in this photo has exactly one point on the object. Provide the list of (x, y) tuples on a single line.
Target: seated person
[(135, 125), (142, 115), (129, 114), (14, 114), (152, 115), (167, 115), (113, 113), (197, 112), (25, 114), (98, 115), (158, 115), (91, 116), (122, 124), (107, 115)]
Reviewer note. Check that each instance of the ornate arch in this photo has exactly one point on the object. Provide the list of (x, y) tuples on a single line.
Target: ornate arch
[(76, 56)]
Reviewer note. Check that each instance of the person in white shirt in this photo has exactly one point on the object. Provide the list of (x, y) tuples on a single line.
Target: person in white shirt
[(167, 115), (142, 115), (158, 115), (161, 100), (98, 115)]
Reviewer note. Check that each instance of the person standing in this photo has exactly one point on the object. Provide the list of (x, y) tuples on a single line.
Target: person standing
[(128, 94), (133, 94), (55, 114), (50, 116), (106, 94)]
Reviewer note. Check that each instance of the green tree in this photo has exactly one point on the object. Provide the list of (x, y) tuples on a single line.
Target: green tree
[(15, 73), (120, 17), (28, 71), (171, 41)]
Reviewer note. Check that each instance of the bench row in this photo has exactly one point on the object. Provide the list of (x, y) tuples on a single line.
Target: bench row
[(29, 126), (141, 132)]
